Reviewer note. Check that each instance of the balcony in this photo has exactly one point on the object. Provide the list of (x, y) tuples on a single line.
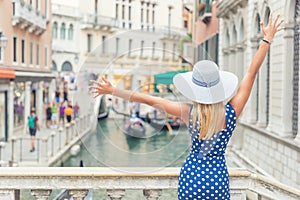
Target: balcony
[(92, 21), (204, 10), (26, 17), (168, 32), (152, 181), (229, 6)]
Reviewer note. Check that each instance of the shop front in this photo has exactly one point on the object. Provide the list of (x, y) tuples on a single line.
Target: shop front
[(6, 76)]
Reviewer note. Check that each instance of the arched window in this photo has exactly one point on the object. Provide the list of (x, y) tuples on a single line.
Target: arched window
[(54, 66), (66, 67), (63, 31), (70, 32), (54, 30), (257, 21)]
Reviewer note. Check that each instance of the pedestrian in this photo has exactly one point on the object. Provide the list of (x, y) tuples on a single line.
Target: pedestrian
[(65, 94), (57, 95), (211, 118), (48, 115), (68, 113), (54, 115), (61, 119), (76, 110), (32, 127)]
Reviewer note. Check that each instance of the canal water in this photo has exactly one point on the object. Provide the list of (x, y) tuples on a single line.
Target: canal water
[(111, 147)]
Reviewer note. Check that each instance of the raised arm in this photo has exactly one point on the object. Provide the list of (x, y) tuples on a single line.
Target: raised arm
[(244, 90), (171, 107)]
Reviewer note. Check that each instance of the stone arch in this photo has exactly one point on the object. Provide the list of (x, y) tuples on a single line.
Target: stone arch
[(66, 67)]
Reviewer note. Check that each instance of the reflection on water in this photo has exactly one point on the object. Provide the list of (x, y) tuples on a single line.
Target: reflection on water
[(111, 147)]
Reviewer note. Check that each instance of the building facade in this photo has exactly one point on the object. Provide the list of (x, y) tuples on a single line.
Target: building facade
[(27, 55), (118, 37), (268, 129)]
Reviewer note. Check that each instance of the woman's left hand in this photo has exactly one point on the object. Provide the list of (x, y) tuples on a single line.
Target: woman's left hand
[(104, 87)]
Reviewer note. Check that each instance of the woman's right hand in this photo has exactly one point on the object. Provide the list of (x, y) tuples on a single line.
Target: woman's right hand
[(272, 28), (104, 87)]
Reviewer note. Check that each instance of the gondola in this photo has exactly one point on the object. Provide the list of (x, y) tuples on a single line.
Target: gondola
[(160, 124), (136, 131)]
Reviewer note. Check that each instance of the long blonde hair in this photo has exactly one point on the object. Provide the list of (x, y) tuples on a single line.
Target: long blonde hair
[(210, 118)]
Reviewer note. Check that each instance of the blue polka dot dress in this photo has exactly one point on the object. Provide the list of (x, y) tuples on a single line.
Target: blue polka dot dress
[(204, 174)]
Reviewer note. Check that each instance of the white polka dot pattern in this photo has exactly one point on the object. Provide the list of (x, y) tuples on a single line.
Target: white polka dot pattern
[(204, 174)]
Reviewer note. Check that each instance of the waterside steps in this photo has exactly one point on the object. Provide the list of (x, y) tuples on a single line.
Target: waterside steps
[(152, 181)]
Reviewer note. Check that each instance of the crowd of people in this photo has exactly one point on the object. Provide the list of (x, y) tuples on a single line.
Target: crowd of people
[(61, 111)]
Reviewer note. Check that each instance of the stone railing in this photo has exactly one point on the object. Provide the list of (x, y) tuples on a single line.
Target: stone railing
[(98, 21), (229, 6), (48, 149), (41, 181)]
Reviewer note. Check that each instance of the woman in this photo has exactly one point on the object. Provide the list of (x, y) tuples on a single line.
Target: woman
[(204, 174)]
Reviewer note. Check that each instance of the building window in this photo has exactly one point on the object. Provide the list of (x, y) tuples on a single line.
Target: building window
[(185, 24), (37, 54), (129, 47), (30, 2), (46, 57), (142, 48), (117, 11), (170, 16), (142, 15), (23, 51), (164, 50), (66, 67), (36, 4), (153, 17), (70, 32), (147, 16), (129, 13), (153, 49), (55, 30), (89, 42), (123, 12), (117, 46), (46, 9), (63, 31), (31, 53), (103, 44), (15, 49), (96, 6), (174, 51)]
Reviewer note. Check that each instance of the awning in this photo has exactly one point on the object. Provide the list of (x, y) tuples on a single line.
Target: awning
[(166, 78), (7, 73), (34, 76)]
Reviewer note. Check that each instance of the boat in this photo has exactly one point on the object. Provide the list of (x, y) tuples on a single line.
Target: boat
[(135, 128), (103, 109), (160, 124)]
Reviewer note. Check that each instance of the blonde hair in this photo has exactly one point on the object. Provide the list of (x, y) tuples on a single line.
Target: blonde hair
[(210, 118)]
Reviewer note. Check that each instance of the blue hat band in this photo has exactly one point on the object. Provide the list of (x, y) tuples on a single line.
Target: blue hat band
[(204, 84)]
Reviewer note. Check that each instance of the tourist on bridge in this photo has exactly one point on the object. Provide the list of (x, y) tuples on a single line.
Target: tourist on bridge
[(211, 118), (32, 127)]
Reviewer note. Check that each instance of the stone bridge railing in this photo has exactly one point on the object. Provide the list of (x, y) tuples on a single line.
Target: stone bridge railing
[(41, 181)]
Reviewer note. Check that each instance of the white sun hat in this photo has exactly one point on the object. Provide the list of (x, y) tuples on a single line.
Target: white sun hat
[(206, 84)]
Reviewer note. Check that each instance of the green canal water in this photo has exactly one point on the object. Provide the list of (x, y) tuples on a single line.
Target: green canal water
[(111, 147)]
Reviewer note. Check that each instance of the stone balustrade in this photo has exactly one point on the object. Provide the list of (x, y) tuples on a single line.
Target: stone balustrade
[(41, 181), (48, 149)]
